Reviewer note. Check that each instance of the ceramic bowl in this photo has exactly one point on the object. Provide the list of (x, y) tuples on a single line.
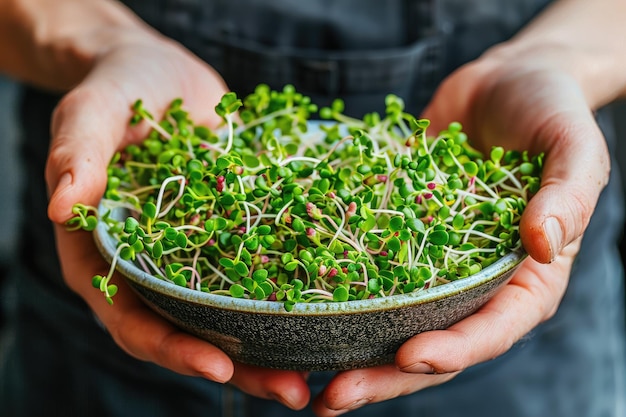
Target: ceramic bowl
[(313, 337)]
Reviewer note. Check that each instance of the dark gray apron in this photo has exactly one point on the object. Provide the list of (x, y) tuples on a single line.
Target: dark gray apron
[(62, 364)]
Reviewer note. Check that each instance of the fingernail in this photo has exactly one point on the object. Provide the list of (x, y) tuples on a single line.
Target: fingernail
[(419, 368), (353, 406), (64, 181), (216, 377), (279, 398), (554, 234)]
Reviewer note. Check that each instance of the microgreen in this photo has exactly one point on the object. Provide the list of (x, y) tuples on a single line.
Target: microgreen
[(265, 208)]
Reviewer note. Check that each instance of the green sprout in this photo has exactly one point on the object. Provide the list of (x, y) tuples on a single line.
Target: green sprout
[(264, 208)]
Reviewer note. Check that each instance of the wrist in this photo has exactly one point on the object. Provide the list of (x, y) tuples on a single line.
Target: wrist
[(583, 39)]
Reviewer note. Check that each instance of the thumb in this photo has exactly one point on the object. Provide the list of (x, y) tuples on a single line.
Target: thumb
[(87, 128), (576, 170)]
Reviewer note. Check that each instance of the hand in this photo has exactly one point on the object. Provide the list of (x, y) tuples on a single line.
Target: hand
[(521, 100), (91, 123)]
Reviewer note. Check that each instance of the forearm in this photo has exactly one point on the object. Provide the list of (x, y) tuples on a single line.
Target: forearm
[(585, 38), (53, 44)]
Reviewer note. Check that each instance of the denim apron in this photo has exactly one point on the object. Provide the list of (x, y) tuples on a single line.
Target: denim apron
[(61, 363)]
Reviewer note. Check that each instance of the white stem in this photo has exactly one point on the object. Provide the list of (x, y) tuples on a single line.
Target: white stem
[(301, 159), (181, 190), (231, 133)]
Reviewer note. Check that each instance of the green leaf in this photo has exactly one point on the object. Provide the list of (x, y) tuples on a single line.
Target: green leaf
[(403, 253), (130, 225), (458, 221), (209, 225), (340, 294), (506, 220), (405, 235), (396, 223), (290, 244), (368, 224), (249, 284), (222, 163), (170, 234), (138, 246), (237, 291), (443, 212), (526, 168), (260, 275), (149, 210), (96, 280), (416, 225), (496, 154), (127, 253), (471, 168), (291, 266), (373, 285), (264, 230), (229, 104), (252, 243), (438, 237), (91, 222), (501, 206), (181, 240), (251, 161), (226, 262), (220, 223), (179, 279), (394, 244), (157, 250), (259, 293), (454, 239), (242, 269), (267, 288), (227, 200), (455, 183), (112, 290)]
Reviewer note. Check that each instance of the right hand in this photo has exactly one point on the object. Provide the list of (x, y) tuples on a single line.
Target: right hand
[(89, 125)]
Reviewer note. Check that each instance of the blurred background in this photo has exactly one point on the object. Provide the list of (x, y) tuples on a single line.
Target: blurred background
[(619, 112), (10, 177), (9, 170)]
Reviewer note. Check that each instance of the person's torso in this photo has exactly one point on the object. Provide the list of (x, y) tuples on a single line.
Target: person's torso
[(359, 50)]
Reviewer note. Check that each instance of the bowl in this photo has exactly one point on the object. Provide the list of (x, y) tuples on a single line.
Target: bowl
[(313, 336)]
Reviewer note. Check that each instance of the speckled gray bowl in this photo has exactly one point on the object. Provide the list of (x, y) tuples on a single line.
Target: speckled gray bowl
[(313, 337)]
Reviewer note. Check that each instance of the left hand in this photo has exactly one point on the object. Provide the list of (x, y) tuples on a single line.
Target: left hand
[(89, 125), (522, 100)]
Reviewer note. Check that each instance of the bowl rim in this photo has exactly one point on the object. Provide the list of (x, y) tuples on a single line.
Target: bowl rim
[(107, 247)]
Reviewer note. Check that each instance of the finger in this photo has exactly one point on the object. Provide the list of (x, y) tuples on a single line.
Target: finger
[(531, 297), (287, 387), (147, 337), (350, 390), (136, 329), (442, 110), (92, 122), (576, 170), (88, 126)]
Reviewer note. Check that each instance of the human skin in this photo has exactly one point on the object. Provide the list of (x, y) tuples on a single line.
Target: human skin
[(551, 76)]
